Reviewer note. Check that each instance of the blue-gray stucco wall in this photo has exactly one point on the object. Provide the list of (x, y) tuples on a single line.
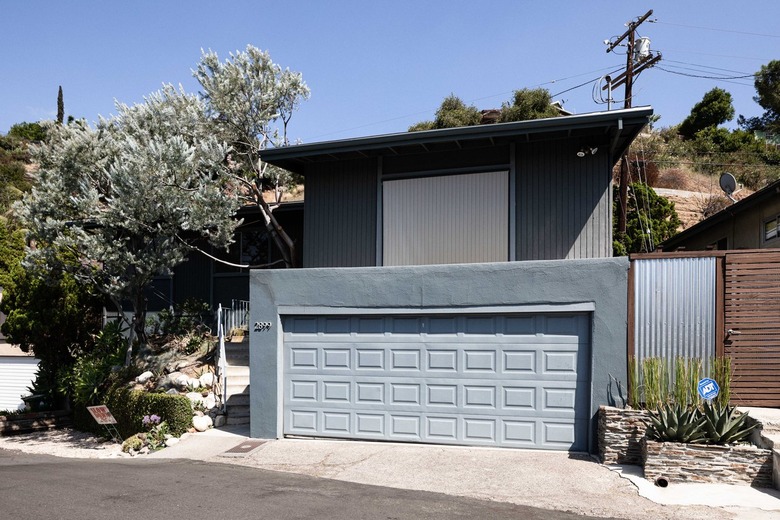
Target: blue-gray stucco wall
[(598, 284)]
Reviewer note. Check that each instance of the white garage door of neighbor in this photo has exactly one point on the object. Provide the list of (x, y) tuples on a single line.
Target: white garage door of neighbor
[(508, 380), (16, 374)]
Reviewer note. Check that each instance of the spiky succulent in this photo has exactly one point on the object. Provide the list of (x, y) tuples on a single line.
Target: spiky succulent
[(724, 425), (673, 422)]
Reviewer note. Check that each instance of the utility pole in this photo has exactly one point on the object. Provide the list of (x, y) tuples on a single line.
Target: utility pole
[(627, 79)]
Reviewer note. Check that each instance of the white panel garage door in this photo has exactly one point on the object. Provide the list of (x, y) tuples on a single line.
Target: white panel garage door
[(513, 380)]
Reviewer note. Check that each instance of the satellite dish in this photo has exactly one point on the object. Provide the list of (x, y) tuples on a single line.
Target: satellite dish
[(728, 184)]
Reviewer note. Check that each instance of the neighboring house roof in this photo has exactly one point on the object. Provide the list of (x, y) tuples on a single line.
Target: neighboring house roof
[(725, 215), (614, 130)]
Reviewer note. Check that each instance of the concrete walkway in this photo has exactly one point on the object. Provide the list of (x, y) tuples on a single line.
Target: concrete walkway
[(553, 480)]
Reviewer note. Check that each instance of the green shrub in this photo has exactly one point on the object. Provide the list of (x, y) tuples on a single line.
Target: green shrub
[(90, 375), (132, 443), (130, 406)]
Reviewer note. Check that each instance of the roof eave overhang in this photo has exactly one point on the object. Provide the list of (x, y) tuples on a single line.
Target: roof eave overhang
[(621, 126)]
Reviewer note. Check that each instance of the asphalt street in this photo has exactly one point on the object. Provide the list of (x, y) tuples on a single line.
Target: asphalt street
[(40, 486)]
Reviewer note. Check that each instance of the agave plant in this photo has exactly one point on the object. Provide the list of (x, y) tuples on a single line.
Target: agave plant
[(675, 422), (724, 425)]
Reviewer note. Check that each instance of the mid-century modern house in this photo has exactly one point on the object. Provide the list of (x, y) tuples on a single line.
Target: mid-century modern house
[(751, 223), (458, 287)]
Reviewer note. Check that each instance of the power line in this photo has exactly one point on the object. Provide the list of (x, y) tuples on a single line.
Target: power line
[(715, 29), (706, 77), (424, 112), (719, 55), (705, 66)]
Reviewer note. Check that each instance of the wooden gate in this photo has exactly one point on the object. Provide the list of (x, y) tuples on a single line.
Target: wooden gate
[(752, 326)]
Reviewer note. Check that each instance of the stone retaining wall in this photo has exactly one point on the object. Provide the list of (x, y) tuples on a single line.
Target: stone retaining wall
[(620, 432), (740, 464), (33, 422)]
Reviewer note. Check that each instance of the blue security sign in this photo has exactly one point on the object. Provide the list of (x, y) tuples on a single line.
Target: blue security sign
[(708, 388)]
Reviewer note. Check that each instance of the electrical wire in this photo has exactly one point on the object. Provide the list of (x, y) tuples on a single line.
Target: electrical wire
[(425, 112), (666, 60), (706, 77), (715, 29)]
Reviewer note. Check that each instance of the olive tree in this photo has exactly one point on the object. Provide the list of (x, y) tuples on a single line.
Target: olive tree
[(249, 102), (121, 203)]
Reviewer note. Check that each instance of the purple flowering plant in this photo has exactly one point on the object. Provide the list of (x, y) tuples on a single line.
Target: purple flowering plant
[(157, 431)]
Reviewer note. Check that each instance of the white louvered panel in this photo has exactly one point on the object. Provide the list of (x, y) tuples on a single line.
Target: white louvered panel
[(16, 374), (446, 220)]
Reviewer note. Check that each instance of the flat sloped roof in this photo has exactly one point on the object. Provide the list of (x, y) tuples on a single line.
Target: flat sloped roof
[(618, 128)]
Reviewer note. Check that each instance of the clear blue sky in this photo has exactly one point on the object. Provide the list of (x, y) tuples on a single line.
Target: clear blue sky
[(377, 66)]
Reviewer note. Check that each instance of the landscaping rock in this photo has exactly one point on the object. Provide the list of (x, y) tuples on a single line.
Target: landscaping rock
[(193, 383), (207, 379), (219, 421), (175, 375), (171, 442), (182, 381), (210, 401), (146, 376), (201, 423), (172, 391), (194, 397)]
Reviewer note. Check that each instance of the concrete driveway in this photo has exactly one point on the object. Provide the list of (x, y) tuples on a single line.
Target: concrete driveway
[(551, 480)]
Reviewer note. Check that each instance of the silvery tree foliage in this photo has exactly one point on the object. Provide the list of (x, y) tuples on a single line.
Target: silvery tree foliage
[(121, 203), (250, 100)]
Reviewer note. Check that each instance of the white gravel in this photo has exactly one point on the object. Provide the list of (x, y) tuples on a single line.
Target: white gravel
[(63, 443)]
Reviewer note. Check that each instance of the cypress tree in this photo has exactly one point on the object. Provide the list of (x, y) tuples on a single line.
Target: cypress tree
[(60, 107)]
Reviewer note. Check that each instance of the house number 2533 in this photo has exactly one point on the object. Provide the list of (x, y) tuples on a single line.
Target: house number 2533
[(262, 326)]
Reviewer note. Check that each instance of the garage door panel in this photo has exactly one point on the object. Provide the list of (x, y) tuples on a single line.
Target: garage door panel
[(557, 399), (519, 432), (519, 381)]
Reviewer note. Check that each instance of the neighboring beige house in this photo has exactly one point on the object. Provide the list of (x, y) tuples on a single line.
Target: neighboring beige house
[(751, 223)]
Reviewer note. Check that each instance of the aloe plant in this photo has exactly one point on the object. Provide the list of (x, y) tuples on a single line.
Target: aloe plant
[(724, 425), (675, 422)]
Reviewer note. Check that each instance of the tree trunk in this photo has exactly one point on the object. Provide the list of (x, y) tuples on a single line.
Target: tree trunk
[(281, 238)]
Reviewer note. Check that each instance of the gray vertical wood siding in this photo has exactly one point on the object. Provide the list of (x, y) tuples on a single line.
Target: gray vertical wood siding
[(564, 208), (340, 217)]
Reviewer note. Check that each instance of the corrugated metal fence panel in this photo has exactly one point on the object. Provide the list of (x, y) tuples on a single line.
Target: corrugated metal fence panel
[(674, 308), (564, 205), (446, 220), (340, 216)]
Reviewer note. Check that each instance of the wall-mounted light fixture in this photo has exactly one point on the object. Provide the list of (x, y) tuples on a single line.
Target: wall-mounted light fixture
[(587, 150)]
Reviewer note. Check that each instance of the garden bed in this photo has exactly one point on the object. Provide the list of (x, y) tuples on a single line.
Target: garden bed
[(737, 464), (33, 422)]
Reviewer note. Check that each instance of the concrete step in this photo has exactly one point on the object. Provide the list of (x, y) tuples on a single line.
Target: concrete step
[(237, 380), (238, 411), (237, 420), (237, 371), (238, 399), (235, 388)]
